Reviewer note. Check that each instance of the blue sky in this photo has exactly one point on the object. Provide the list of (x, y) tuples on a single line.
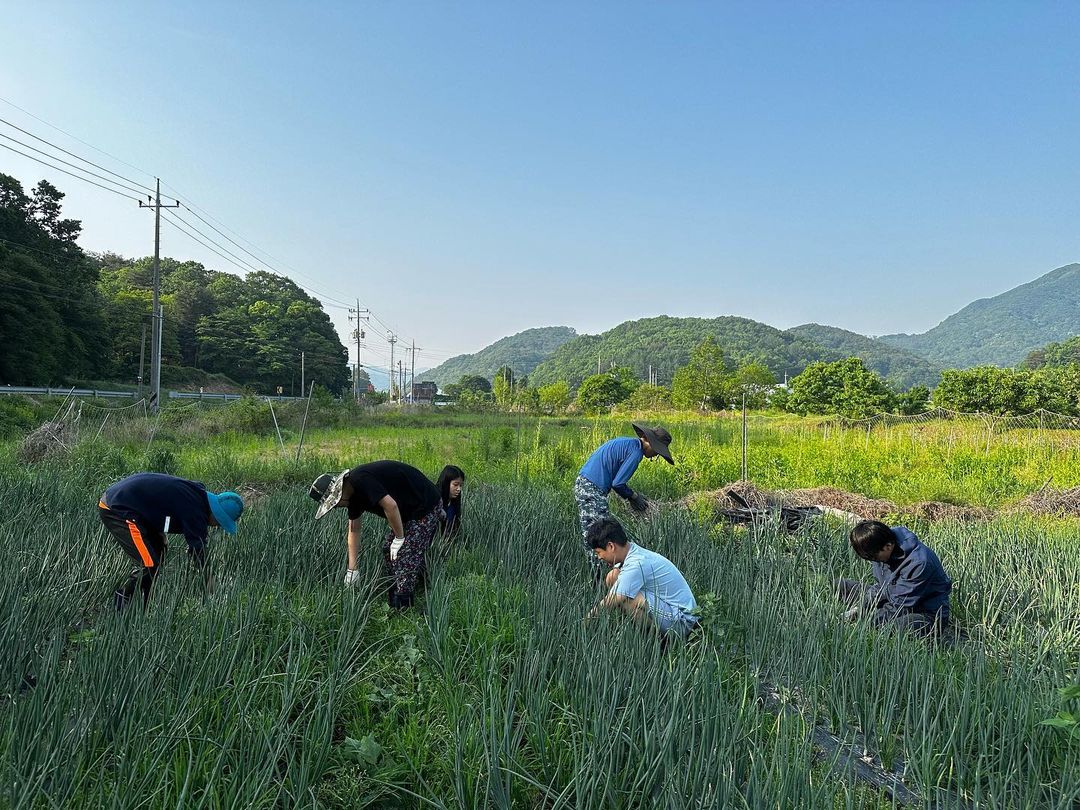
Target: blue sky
[(470, 170)]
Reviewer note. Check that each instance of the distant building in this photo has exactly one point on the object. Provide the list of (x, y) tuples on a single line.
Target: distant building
[(423, 393)]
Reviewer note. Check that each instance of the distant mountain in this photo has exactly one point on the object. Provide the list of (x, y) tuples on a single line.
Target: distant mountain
[(665, 343), (522, 352), (1002, 330), (901, 368)]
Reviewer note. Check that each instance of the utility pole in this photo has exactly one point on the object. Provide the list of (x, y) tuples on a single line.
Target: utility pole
[(142, 357), (598, 362), (400, 380), (391, 339), (412, 386), (155, 307), (301, 373), (358, 333)]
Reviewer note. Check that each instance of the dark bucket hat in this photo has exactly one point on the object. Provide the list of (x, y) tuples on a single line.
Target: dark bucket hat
[(658, 439)]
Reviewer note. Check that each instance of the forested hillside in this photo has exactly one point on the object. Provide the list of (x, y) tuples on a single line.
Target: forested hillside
[(66, 315), (665, 344), (1002, 330), (522, 352), (901, 368)]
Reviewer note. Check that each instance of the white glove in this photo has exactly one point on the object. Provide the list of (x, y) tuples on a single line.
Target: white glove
[(395, 547), (351, 578)]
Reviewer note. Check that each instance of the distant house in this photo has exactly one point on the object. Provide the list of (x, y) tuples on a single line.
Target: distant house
[(423, 393)]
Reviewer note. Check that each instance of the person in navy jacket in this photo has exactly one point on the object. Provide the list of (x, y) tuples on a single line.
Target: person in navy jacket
[(142, 509), (911, 589)]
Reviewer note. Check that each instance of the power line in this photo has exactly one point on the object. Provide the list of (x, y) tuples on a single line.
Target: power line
[(65, 171), (73, 137), (72, 154), (69, 163)]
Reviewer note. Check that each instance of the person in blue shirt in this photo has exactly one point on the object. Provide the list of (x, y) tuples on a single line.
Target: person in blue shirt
[(609, 468), (645, 584), (910, 590), (140, 510)]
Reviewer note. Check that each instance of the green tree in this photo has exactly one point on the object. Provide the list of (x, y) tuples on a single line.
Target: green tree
[(914, 401), (755, 381), (600, 392), (846, 387), (649, 398), (704, 382), (553, 398)]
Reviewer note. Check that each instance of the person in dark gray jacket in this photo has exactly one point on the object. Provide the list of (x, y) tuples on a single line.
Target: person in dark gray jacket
[(911, 589)]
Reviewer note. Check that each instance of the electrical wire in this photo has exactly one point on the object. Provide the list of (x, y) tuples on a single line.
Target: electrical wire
[(71, 154), (72, 174), (74, 138)]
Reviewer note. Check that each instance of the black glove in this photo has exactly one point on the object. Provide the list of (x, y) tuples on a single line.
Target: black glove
[(638, 502)]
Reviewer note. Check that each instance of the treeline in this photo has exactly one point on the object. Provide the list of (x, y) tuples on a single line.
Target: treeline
[(66, 315), (847, 388)]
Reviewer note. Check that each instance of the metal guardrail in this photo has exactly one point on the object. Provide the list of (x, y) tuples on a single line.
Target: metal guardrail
[(99, 393)]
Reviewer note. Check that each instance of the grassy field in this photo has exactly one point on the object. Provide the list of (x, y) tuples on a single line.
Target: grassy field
[(282, 690)]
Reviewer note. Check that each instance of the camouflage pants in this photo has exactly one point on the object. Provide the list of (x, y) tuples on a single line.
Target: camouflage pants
[(411, 562), (592, 506)]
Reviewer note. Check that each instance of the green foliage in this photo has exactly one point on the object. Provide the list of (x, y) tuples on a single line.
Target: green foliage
[(915, 400), (553, 398), (755, 382), (666, 344), (600, 392), (1058, 355), (250, 330), (648, 398), (846, 388), (1008, 391), (900, 368), (524, 351), (703, 384), (51, 324), (1002, 330)]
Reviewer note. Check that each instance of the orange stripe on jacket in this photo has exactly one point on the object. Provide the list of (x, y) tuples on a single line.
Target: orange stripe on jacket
[(144, 552)]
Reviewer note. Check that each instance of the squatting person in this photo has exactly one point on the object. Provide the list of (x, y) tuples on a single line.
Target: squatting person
[(406, 499), (645, 584), (609, 468), (142, 509), (910, 590)]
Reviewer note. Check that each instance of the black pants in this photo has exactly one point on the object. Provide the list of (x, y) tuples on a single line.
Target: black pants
[(853, 593), (145, 546)]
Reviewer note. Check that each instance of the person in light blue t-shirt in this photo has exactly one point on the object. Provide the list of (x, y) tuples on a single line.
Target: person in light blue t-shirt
[(610, 468), (648, 586)]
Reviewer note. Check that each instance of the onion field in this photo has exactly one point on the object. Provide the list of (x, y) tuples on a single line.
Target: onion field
[(282, 689)]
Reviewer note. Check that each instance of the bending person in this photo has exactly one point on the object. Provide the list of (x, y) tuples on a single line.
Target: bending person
[(142, 509), (647, 586), (406, 499), (910, 590), (610, 467), (450, 484)]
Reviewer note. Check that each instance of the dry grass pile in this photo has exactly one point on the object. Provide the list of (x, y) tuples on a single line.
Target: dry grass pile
[(1053, 502), (833, 498), (50, 438)]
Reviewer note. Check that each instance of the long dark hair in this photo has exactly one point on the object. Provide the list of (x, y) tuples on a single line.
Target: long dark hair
[(448, 474)]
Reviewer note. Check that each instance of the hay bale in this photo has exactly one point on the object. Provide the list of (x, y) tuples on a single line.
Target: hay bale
[(1053, 502), (833, 498), (46, 440)]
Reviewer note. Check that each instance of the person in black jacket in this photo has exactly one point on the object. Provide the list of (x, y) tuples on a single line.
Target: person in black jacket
[(142, 509), (450, 484), (406, 499)]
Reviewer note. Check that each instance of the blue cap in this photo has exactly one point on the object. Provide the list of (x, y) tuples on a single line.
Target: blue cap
[(226, 509)]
